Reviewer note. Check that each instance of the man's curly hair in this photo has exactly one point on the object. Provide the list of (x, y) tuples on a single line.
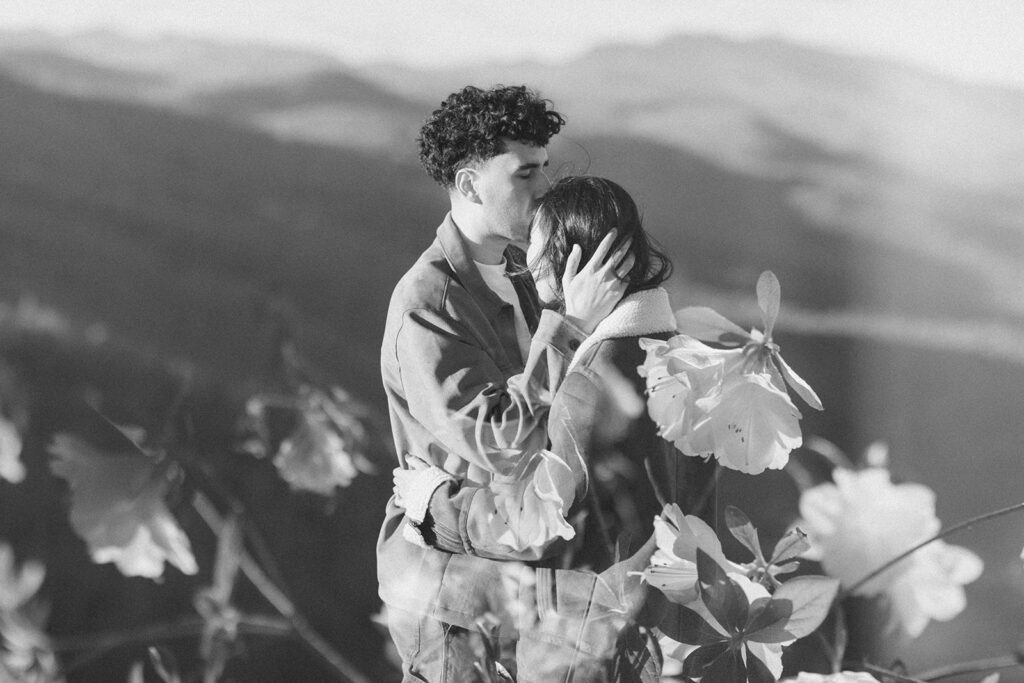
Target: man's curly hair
[(473, 124)]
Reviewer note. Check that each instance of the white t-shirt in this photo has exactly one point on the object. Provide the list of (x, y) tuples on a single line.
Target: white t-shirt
[(499, 283)]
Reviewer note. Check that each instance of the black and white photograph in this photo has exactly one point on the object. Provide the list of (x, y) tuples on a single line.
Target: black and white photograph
[(399, 341)]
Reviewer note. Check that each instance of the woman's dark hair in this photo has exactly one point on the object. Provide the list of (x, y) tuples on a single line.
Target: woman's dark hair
[(473, 125), (582, 210)]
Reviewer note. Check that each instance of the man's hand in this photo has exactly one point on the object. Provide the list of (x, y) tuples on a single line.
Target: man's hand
[(416, 484), (591, 292)]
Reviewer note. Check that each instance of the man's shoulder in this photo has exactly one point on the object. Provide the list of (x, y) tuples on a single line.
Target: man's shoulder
[(426, 282)]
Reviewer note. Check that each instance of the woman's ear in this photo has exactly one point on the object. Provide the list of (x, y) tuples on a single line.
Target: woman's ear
[(466, 185)]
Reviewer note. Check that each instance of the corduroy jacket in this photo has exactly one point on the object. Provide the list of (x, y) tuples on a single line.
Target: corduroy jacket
[(598, 425), (461, 397)]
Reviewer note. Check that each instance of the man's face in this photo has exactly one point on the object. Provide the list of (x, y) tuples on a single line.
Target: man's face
[(510, 186)]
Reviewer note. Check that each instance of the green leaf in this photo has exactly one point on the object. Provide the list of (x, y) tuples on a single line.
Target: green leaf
[(706, 324), (723, 598), (768, 295), (812, 597), (792, 545), (728, 667), (757, 671), (797, 383), (741, 527), (768, 620), (700, 659), (684, 625)]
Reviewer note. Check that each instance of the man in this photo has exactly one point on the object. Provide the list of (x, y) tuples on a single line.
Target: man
[(470, 361)]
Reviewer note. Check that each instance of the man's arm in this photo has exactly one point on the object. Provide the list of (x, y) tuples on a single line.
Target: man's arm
[(520, 516), (459, 395)]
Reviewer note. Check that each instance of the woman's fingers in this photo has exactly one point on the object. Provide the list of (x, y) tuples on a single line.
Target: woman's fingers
[(572, 265), (625, 266), (598, 259), (613, 261)]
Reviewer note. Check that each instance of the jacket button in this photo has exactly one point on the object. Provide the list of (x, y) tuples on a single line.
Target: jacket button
[(574, 344)]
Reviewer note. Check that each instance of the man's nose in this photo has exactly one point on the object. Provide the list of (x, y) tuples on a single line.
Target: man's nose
[(543, 184)]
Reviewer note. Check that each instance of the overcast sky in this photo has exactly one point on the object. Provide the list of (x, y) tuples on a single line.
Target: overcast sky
[(977, 40)]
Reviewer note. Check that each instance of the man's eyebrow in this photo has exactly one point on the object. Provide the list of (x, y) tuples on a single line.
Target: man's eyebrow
[(532, 164)]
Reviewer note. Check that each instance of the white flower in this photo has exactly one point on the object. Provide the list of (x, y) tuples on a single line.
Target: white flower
[(863, 520), (25, 651), (117, 506), (680, 373), (531, 503), (11, 468), (754, 423), (673, 567), (17, 587), (325, 450), (708, 401)]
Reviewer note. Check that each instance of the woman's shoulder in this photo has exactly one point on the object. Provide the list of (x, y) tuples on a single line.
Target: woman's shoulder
[(618, 351)]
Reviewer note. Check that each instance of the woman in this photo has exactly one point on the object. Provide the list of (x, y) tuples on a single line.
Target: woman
[(592, 498)]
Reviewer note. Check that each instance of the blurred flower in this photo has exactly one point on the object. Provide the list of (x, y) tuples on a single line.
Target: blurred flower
[(11, 468), (673, 567), (324, 450), (117, 507), (840, 677), (863, 520), (531, 503), (25, 654), (17, 587)]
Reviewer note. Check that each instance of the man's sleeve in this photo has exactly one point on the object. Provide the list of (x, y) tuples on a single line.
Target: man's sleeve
[(465, 518), (458, 394)]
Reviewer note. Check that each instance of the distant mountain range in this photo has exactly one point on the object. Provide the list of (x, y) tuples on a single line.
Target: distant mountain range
[(172, 188), (200, 200)]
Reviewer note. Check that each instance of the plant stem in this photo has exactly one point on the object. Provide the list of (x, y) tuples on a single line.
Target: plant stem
[(976, 666), (891, 674), (276, 597), (942, 534), (99, 644)]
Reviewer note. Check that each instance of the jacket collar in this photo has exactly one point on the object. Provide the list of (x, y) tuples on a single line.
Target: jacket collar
[(454, 248), (644, 312), (466, 272)]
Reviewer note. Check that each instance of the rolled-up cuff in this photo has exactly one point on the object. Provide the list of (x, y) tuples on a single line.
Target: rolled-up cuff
[(417, 499), (557, 331), (411, 532)]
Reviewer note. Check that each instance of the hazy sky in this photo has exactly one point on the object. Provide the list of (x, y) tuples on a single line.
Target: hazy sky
[(971, 39)]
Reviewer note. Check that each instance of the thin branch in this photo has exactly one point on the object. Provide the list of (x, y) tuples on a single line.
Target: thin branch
[(942, 534), (98, 644), (280, 601), (975, 666), (900, 678)]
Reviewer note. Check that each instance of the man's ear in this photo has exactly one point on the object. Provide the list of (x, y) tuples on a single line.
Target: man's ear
[(465, 185)]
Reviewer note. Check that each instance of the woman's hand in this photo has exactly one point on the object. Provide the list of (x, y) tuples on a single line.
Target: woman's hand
[(591, 292)]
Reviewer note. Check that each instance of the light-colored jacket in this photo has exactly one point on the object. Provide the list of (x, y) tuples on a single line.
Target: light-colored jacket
[(598, 425), (461, 397)]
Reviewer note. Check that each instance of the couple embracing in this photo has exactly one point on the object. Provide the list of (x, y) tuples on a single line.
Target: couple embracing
[(529, 472)]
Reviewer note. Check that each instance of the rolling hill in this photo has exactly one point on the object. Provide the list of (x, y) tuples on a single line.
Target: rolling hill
[(192, 209)]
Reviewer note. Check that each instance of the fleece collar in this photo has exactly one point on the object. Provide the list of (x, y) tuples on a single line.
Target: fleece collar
[(644, 312)]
